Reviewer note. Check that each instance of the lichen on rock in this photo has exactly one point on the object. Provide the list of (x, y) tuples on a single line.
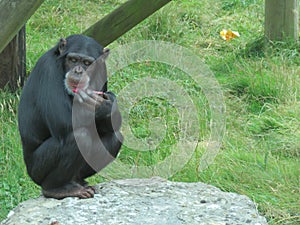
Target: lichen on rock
[(142, 201)]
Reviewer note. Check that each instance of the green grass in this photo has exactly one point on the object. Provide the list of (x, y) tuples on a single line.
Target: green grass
[(260, 154)]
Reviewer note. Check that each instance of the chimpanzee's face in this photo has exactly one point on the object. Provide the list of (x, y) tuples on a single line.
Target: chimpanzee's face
[(78, 53), (76, 65)]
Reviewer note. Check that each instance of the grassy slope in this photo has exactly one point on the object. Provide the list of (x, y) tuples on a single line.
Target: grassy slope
[(260, 156)]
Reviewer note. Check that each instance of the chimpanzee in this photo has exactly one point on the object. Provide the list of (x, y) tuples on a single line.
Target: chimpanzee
[(67, 86)]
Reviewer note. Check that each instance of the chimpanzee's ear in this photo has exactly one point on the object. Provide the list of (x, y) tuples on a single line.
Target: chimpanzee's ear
[(105, 54), (61, 46), (97, 73)]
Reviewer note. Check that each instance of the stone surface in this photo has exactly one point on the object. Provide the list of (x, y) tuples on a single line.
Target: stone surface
[(142, 201)]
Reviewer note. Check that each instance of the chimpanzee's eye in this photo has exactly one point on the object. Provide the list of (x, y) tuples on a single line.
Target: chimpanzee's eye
[(73, 60), (87, 63)]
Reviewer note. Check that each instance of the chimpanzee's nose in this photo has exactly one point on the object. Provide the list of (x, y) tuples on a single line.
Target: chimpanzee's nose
[(78, 70)]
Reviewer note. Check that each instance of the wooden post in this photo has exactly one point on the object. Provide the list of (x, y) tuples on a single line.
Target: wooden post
[(13, 62), (123, 19), (281, 20), (13, 16)]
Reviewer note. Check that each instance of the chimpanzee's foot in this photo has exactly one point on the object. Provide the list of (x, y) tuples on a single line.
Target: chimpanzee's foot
[(84, 183), (70, 190)]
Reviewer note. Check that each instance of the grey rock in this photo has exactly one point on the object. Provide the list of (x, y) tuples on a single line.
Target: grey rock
[(142, 201)]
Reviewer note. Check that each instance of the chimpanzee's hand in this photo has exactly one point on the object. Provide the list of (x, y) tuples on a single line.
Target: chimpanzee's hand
[(98, 101), (90, 97)]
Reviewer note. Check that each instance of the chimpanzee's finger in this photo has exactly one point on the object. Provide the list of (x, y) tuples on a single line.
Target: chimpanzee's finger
[(97, 96), (87, 98)]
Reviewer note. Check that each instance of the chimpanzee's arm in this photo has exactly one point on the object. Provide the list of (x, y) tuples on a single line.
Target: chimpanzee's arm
[(108, 116)]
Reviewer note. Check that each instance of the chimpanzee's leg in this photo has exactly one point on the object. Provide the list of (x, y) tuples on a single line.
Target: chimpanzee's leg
[(55, 164), (112, 143)]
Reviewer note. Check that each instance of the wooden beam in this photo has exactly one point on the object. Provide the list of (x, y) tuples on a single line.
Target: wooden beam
[(13, 16), (123, 19), (13, 62), (281, 20)]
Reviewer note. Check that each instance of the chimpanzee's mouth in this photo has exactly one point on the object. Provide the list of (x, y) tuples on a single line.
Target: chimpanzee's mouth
[(73, 87), (75, 83), (77, 86)]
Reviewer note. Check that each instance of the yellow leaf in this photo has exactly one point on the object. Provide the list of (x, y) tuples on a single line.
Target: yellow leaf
[(228, 34)]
